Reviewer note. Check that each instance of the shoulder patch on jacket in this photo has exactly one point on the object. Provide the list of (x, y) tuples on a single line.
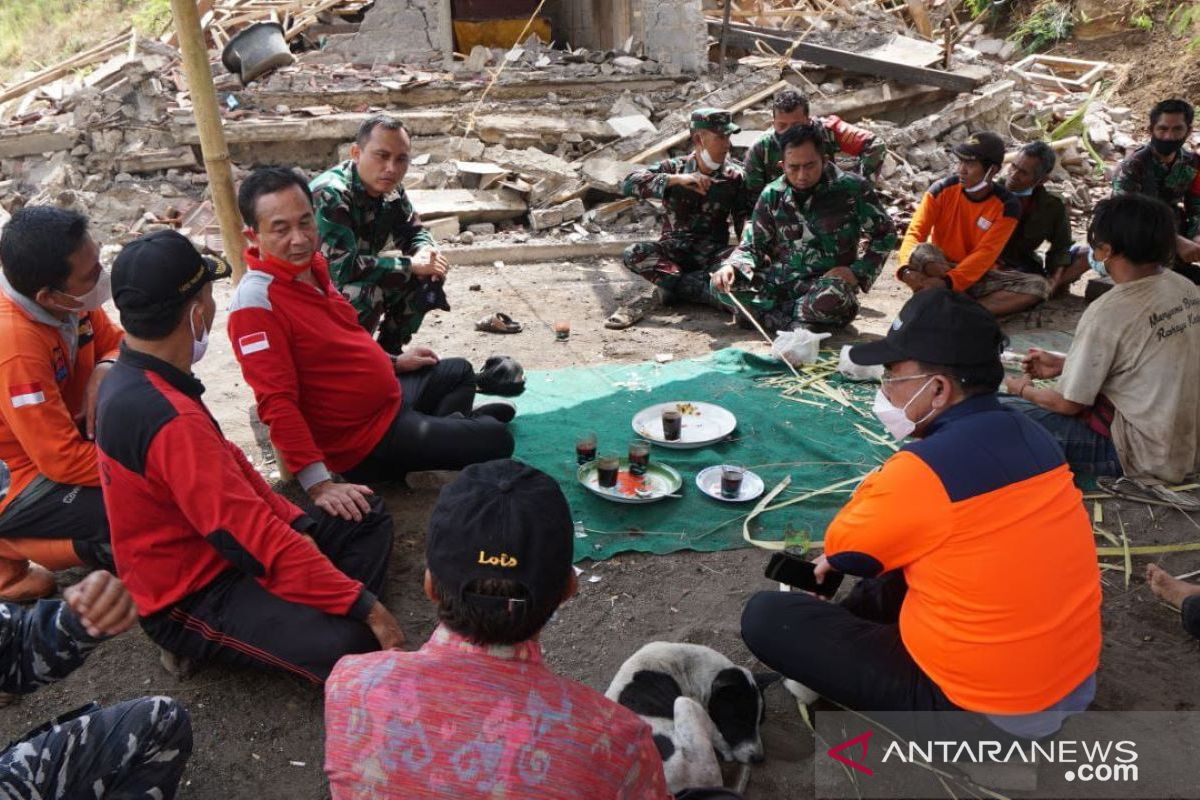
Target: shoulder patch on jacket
[(252, 291), (942, 185)]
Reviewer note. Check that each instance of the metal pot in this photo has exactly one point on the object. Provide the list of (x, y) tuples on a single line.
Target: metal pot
[(256, 51)]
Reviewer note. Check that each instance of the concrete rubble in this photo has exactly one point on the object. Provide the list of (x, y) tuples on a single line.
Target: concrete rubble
[(543, 155)]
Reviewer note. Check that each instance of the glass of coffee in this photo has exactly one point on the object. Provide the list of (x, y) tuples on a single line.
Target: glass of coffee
[(672, 422), (731, 481), (639, 457), (585, 448), (607, 468)]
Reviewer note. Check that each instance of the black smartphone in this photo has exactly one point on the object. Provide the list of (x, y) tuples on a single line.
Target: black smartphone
[(799, 573)]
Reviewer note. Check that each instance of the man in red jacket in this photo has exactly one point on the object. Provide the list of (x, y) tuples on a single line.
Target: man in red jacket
[(334, 400), (220, 567)]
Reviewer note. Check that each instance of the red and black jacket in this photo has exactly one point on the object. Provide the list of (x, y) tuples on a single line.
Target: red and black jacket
[(185, 505)]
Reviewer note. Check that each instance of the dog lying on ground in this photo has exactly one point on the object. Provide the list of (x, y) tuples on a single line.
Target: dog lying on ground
[(696, 701)]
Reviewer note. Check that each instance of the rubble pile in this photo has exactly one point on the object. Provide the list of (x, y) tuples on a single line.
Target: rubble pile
[(543, 153)]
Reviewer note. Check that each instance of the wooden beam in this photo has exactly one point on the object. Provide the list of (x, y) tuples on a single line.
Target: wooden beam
[(745, 36), (212, 135), (87, 57)]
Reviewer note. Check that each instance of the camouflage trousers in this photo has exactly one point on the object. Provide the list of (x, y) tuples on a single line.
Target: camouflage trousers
[(395, 312), (820, 304), (136, 749), (680, 267)]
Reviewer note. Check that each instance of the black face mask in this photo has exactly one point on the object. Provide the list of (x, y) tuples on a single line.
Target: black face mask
[(1166, 147)]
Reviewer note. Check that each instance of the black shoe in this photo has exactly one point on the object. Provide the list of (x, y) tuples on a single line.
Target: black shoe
[(499, 410)]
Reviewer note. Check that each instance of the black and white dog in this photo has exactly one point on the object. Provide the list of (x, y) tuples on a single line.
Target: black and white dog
[(672, 686)]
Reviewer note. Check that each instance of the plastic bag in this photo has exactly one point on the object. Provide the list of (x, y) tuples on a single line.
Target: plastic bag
[(799, 346), (857, 372)]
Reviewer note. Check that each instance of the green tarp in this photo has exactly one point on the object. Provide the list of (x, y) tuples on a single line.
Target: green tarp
[(775, 437)]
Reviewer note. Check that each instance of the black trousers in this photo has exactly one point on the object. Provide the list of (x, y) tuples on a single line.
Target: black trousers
[(1191, 615), (236, 621), (48, 510), (848, 652), (434, 428)]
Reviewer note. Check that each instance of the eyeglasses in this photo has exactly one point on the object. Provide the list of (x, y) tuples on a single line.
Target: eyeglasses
[(889, 379)]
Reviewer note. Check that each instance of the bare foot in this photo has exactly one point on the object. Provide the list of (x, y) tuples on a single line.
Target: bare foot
[(1172, 590)]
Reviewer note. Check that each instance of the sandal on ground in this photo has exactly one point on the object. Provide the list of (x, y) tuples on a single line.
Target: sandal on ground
[(499, 323), (1155, 495), (624, 317)]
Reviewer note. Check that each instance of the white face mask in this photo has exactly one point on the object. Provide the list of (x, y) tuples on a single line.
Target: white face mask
[(99, 294), (708, 162), (983, 184), (895, 419), (199, 346)]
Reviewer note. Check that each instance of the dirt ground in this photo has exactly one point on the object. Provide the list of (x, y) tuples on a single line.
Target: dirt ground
[(260, 735)]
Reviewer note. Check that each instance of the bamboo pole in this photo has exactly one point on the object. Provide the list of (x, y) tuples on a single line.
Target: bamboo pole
[(212, 135)]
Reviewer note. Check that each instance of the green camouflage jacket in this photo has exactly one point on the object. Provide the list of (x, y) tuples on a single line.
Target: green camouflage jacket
[(796, 236), (763, 157), (1141, 172), (691, 215), (355, 227)]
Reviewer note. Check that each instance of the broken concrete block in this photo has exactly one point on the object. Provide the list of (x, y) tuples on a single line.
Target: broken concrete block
[(442, 228), (542, 218), (989, 46), (478, 58), (531, 161), (744, 139), (479, 174), (607, 174), (1119, 114), (573, 209), (631, 125), (498, 128), (469, 206), (155, 160), (24, 142), (482, 228)]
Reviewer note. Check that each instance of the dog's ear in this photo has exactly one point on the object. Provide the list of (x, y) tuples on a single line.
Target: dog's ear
[(764, 679)]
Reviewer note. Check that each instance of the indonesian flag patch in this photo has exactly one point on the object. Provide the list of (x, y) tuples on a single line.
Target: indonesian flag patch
[(26, 394), (253, 342)]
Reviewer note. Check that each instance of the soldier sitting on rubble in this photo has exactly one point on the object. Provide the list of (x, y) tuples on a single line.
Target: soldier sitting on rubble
[(56, 346), (800, 254), (700, 192), (1166, 170), (380, 255), (789, 108), (960, 229)]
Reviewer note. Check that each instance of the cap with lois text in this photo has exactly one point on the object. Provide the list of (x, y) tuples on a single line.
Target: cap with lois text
[(156, 273), (502, 520)]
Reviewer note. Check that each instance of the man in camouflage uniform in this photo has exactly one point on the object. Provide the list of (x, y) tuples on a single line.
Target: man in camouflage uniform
[(133, 749), (380, 255), (789, 108), (1168, 171), (799, 257), (700, 192)]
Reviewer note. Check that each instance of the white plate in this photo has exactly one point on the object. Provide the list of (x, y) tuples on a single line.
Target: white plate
[(660, 481), (703, 424), (709, 481)]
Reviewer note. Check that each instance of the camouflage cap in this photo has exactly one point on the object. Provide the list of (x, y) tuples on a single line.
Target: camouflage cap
[(713, 119)]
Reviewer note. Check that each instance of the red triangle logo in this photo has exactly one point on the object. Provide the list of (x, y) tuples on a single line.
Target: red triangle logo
[(863, 739)]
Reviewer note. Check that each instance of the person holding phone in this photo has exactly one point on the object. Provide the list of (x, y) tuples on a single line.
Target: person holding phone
[(950, 613)]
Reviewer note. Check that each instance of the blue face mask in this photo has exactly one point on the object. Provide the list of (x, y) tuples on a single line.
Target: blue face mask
[(1097, 266), (1022, 193)]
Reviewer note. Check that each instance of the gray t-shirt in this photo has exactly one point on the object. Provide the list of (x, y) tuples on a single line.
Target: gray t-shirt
[(1139, 346)]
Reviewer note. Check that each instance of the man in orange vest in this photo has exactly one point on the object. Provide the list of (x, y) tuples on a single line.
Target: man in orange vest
[(56, 346)]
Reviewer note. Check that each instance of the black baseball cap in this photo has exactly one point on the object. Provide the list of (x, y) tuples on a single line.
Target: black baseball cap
[(937, 326), (984, 146), (502, 520), (158, 272)]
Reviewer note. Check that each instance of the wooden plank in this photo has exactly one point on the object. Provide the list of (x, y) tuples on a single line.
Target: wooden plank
[(469, 206), (745, 36), (87, 57), (919, 12)]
